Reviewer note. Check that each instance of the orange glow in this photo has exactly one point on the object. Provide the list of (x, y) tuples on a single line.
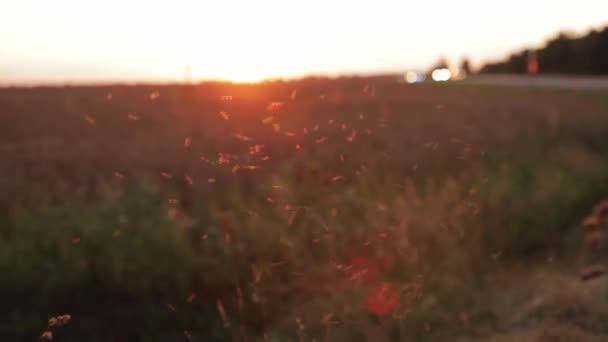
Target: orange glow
[(382, 299), (274, 106), (238, 40)]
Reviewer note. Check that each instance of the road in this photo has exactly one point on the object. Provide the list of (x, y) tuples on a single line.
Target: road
[(556, 82)]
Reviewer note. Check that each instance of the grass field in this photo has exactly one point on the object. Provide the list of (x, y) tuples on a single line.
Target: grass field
[(328, 210)]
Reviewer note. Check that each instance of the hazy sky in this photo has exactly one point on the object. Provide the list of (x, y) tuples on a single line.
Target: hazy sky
[(63, 40)]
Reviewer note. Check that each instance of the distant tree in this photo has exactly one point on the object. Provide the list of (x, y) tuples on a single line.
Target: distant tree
[(465, 66), (563, 54)]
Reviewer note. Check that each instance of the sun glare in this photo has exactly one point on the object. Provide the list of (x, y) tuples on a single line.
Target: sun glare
[(234, 65), (247, 41), (238, 60), (239, 74)]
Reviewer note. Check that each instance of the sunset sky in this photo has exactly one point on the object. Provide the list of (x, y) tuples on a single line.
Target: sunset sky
[(111, 40)]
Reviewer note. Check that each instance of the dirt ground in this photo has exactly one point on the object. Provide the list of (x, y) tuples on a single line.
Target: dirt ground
[(547, 303)]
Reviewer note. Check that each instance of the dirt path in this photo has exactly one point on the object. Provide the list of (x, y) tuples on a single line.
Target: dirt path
[(545, 304)]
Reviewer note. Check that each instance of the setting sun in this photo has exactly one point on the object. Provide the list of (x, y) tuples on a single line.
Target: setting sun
[(273, 170), (235, 63), (73, 41)]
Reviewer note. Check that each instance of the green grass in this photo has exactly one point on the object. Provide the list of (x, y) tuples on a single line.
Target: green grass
[(450, 184)]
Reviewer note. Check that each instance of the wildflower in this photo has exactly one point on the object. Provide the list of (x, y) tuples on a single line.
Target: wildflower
[(382, 299)]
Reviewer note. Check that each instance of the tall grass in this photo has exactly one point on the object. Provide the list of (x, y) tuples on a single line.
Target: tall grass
[(449, 183)]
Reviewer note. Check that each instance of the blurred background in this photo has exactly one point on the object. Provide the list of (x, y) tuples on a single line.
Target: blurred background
[(315, 171), (141, 41)]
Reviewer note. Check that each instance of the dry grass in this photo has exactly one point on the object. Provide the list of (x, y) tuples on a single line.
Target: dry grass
[(219, 212)]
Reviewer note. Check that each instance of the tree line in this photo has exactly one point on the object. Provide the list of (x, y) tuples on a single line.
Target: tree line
[(564, 54)]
